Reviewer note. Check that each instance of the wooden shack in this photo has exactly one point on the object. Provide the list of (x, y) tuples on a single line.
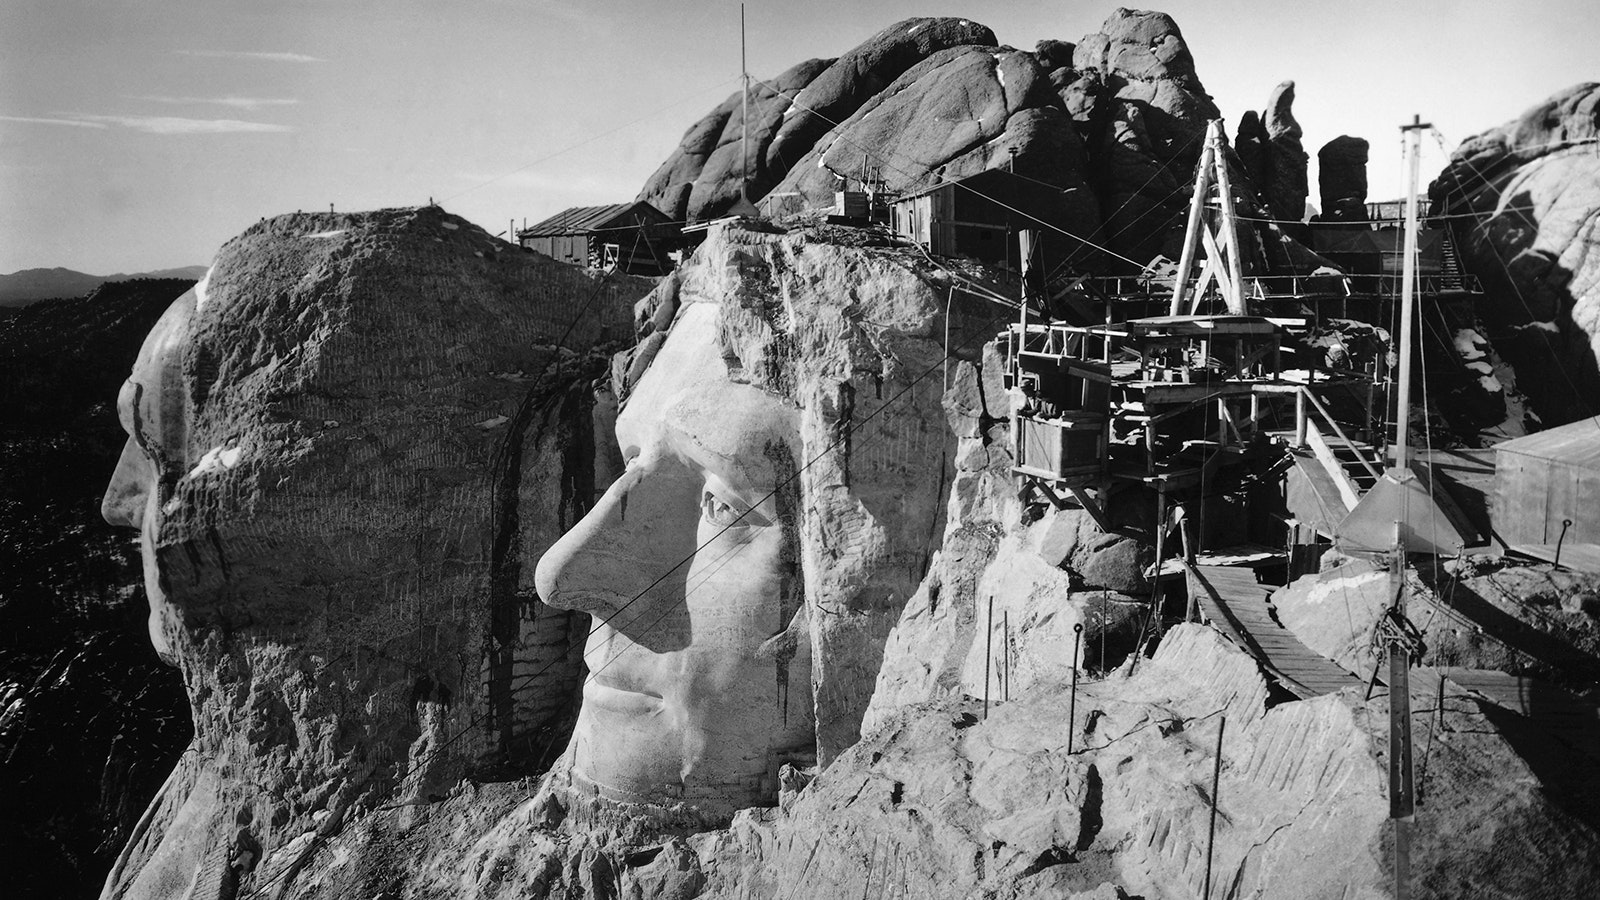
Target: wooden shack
[(1545, 479), (979, 216), (633, 237)]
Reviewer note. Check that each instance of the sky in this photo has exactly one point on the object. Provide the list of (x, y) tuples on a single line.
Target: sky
[(142, 134)]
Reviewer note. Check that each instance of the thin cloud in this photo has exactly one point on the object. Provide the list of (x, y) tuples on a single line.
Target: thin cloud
[(180, 125), (251, 103), (76, 123), (245, 54)]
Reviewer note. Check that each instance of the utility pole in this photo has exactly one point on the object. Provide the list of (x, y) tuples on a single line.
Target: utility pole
[(1408, 278)]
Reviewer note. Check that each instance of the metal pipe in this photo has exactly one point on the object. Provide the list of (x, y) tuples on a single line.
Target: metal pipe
[(1565, 524), (1211, 833), (1072, 702), (1005, 657)]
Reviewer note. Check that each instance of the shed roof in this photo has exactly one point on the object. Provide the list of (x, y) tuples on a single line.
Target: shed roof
[(588, 218), (1576, 444)]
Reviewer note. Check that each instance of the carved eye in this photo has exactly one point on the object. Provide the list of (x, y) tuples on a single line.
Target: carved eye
[(721, 513)]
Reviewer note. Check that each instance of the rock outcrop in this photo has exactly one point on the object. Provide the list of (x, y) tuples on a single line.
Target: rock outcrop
[(701, 180), (1528, 204), (1143, 112), (960, 111), (1111, 123), (1284, 185), (1342, 179)]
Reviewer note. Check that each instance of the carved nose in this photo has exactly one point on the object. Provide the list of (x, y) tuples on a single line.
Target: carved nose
[(635, 541), (572, 574), (126, 494)]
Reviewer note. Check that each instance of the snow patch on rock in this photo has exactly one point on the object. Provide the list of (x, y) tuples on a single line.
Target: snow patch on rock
[(217, 459)]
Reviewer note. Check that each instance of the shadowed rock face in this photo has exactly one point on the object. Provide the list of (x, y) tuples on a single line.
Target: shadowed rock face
[(1284, 186), (329, 438), (959, 112), (1145, 113), (1342, 179), (1532, 190)]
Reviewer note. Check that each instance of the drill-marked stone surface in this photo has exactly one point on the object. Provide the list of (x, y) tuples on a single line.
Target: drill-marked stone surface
[(328, 438)]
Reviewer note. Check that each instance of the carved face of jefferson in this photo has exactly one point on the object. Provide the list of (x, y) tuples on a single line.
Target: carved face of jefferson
[(700, 668)]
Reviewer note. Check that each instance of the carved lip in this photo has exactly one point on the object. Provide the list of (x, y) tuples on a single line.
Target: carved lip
[(621, 696)]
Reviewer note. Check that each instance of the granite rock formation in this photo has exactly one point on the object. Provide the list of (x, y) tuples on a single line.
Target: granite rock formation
[(1342, 179), (1113, 123), (1144, 113), (1284, 184), (347, 446), (1525, 192), (701, 179)]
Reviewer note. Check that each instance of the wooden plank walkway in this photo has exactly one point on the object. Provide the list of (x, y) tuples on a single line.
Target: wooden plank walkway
[(1236, 603), (1570, 718)]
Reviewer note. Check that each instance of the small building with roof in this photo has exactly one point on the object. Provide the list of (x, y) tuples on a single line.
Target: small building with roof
[(1546, 479), (979, 216), (633, 237)]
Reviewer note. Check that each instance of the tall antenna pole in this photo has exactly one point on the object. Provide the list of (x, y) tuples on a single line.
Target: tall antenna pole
[(1408, 277), (744, 115)]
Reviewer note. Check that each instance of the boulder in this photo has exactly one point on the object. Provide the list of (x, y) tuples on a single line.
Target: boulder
[(863, 73), (1144, 114), (1342, 179), (1527, 194), (702, 178), (958, 112), (1250, 142), (1285, 187)]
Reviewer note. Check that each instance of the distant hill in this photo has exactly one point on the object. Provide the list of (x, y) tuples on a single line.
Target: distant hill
[(24, 287)]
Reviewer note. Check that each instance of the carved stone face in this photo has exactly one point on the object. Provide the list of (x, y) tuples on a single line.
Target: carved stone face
[(151, 407), (699, 662)]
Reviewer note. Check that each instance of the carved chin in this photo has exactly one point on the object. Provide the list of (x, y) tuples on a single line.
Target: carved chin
[(161, 625)]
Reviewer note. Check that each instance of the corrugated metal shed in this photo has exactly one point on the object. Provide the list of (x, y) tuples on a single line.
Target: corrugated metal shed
[(1547, 479)]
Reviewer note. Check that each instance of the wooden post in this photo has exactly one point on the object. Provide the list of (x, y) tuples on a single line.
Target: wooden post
[(1191, 236), (1188, 554), (1229, 227), (988, 643), (1161, 549), (1300, 417)]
